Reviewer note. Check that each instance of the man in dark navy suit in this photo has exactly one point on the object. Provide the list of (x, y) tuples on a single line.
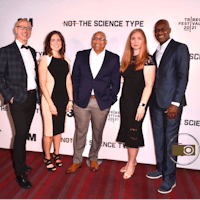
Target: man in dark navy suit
[(167, 101), (96, 83), (19, 87)]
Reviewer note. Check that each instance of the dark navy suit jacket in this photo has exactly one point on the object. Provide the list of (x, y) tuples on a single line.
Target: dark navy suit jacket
[(106, 84), (172, 75), (13, 76)]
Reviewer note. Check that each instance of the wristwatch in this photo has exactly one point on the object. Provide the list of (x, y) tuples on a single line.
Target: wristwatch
[(142, 104)]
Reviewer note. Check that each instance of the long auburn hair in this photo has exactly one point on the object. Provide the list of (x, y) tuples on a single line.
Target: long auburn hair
[(128, 52), (47, 48)]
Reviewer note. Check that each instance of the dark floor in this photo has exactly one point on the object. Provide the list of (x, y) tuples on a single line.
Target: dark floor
[(107, 183)]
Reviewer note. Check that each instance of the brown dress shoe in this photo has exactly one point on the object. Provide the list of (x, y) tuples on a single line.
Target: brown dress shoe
[(94, 166), (74, 167)]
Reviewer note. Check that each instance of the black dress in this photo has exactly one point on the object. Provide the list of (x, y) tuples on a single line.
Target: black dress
[(56, 84), (130, 131)]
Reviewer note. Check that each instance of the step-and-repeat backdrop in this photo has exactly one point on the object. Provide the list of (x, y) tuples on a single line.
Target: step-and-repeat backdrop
[(77, 20)]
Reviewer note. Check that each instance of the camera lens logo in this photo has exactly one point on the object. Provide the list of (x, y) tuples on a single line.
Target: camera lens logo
[(183, 150), (187, 149)]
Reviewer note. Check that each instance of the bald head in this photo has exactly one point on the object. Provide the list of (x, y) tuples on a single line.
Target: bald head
[(21, 21), (162, 21), (101, 33), (99, 42), (162, 31)]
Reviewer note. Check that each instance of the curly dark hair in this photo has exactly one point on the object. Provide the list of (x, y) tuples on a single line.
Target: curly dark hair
[(47, 48)]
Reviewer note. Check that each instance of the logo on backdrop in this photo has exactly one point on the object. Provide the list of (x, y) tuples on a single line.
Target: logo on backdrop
[(30, 20), (39, 54), (67, 140), (191, 122), (187, 149), (113, 116), (31, 137), (104, 23), (194, 56), (4, 108), (190, 24)]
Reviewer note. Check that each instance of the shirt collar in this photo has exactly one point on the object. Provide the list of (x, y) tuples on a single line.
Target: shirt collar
[(100, 54), (162, 47), (19, 44)]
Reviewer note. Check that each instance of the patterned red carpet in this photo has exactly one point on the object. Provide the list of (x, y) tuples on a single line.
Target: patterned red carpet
[(107, 183)]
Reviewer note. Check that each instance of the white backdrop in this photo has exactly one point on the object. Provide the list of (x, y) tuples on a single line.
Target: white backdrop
[(77, 20)]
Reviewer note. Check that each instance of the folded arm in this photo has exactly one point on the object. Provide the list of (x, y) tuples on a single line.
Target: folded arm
[(115, 81), (76, 74), (4, 89), (182, 66)]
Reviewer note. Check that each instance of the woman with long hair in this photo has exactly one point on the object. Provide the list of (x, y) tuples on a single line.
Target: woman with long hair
[(57, 96), (138, 70)]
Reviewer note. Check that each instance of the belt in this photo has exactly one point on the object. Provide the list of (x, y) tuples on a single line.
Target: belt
[(31, 91), (93, 96)]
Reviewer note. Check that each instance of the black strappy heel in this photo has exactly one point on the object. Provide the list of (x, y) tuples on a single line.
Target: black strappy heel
[(56, 157), (48, 162)]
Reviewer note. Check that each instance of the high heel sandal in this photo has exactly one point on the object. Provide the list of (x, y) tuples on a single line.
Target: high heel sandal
[(122, 170), (127, 176), (48, 162), (56, 157)]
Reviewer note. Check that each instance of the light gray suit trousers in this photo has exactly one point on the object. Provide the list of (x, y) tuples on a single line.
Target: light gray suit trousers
[(82, 119)]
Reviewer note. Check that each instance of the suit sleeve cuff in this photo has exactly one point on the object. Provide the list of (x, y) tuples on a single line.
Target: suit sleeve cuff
[(175, 103)]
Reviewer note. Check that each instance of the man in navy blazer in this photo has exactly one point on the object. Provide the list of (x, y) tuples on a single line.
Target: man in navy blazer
[(96, 83), (18, 85), (167, 101)]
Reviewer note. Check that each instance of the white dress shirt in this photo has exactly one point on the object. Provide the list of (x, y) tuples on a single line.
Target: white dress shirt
[(159, 53), (96, 61), (29, 65)]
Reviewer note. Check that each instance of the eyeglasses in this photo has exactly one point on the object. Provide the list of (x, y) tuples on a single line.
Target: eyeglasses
[(100, 39), (161, 29), (28, 28)]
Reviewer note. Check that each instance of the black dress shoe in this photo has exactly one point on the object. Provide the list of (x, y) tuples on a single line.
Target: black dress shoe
[(28, 168), (23, 181)]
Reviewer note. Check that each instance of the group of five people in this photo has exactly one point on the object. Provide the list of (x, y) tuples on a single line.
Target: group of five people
[(159, 81)]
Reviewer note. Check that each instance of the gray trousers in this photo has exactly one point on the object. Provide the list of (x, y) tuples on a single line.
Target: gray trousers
[(82, 119)]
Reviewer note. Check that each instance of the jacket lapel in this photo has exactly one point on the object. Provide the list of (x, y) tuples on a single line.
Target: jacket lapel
[(166, 53), (87, 61), (19, 56), (104, 64), (34, 57)]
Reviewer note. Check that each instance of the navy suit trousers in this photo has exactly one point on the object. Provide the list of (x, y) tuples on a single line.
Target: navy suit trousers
[(164, 130)]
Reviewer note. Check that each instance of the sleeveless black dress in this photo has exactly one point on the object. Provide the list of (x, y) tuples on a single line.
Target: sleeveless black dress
[(56, 84), (130, 131)]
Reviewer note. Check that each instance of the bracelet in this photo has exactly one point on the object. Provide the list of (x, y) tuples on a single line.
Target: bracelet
[(71, 101), (142, 104)]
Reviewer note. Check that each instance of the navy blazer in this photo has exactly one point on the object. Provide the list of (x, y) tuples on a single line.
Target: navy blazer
[(172, 75), (106, 84), (13, 76)]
